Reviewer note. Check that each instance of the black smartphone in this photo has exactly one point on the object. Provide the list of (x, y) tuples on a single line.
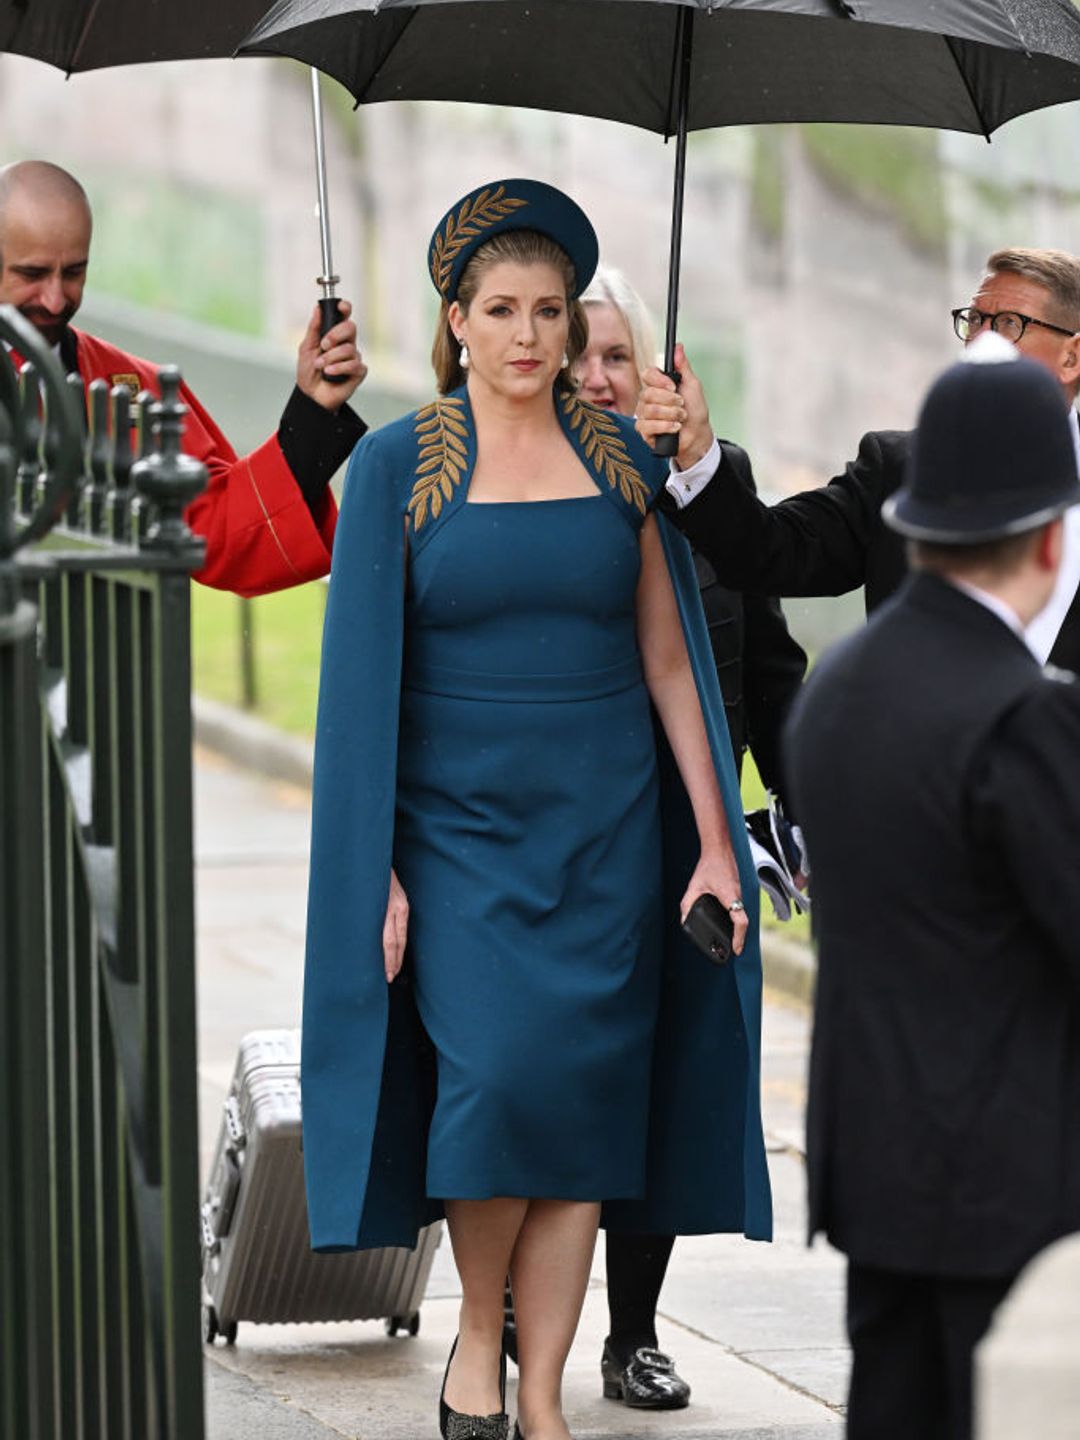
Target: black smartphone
[(711, 928)]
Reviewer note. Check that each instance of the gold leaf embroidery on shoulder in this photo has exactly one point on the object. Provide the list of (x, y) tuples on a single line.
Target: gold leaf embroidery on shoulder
[(440, 429), (606, 450), (476, 215)]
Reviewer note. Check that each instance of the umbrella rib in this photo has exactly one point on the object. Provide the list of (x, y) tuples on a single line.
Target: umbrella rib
[(83, 33), (673, 86), (952, 44)]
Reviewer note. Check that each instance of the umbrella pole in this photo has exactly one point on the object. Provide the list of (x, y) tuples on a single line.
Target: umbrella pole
[(328, 305), (684, 46)]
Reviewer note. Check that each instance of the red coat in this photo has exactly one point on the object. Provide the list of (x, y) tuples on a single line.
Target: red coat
[(260, 534)]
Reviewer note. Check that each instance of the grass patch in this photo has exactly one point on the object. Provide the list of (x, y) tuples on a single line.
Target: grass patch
[(287, 633), (182, 249)]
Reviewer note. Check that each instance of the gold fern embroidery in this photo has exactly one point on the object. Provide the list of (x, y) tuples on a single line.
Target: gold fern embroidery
[(606, 451), (440, 429), (477, 214)]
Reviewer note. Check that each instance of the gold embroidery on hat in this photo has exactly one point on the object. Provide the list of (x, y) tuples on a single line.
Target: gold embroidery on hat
[(440, 429), (605, 448), (475, 216)]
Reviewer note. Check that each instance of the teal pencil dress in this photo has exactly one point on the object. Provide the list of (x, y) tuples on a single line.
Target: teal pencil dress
[(484, 725)]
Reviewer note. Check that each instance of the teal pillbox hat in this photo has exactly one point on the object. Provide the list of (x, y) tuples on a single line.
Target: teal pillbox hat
[(510, 205)]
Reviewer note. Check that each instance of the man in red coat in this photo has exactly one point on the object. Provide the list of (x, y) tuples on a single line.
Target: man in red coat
[(268, 517)]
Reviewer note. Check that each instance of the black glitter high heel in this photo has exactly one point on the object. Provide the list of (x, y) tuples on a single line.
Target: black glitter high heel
[(455, 1426)]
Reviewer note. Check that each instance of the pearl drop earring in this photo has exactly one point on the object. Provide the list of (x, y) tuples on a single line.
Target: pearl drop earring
[(463, 358)]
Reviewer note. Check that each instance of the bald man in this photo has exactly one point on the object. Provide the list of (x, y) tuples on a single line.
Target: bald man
[(268, 517)]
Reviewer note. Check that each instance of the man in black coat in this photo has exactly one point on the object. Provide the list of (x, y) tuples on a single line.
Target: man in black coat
[(934, 768), (831, 540)]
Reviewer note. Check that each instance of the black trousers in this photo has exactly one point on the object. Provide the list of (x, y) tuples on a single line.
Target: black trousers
[(636, 1266), (913, 1340)]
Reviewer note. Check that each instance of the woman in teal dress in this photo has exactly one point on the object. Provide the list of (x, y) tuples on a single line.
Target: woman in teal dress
[(523, 779)]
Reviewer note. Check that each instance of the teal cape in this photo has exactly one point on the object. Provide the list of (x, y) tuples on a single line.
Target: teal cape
[(367, 1066)]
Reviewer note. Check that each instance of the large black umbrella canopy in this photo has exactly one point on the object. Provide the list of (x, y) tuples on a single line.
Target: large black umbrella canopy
[(674, 65), (956, 64), (91, 34)]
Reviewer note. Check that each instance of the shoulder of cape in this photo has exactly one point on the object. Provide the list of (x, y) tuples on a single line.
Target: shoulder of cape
[(422, 454), (615, 451)]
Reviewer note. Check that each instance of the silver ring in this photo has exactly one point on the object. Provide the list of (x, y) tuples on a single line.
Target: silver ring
[(735, 905)]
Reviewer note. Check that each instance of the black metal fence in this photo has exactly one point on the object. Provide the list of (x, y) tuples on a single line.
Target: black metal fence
[(99, 1296)]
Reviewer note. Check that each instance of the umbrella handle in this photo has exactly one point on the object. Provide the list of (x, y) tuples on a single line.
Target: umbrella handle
[(329, 313), (667, 446)]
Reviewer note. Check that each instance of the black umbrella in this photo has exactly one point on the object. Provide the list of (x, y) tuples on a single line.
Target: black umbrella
[(676, 65), (79, 35), (91, 34)]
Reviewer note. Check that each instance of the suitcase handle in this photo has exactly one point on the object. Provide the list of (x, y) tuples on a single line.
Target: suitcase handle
[(217, 1214), (230, 1190)]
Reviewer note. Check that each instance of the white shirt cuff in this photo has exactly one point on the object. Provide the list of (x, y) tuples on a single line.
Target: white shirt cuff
[(686, 485)]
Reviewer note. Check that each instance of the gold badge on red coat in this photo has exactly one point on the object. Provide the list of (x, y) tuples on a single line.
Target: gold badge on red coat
[(130, 382)]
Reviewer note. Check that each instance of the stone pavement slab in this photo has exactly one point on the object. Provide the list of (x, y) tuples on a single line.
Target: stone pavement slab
[(756, 1329)]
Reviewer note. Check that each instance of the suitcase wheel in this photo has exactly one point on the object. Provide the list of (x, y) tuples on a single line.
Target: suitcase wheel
[(411, 1323)]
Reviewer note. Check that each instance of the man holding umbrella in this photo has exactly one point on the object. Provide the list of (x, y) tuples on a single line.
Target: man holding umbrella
[(832, 539), (933, 763), (268, 517)]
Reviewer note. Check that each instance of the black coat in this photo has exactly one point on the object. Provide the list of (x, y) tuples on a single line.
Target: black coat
[(934, 771), (759, 664), (820, 542)]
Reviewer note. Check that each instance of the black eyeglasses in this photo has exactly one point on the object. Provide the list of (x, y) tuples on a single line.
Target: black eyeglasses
[(968, 322)]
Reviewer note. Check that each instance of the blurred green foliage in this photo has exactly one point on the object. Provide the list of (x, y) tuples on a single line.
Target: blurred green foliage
[(767, 178), (893, 169), (187, 250)]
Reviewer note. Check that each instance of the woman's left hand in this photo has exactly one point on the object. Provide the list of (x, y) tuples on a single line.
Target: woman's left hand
[(717, 874)]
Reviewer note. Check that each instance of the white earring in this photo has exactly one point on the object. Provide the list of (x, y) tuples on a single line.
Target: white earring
[(565, 360), (463, 358)]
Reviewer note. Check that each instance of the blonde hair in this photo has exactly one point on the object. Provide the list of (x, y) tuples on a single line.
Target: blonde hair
[(521, 247), (1056, 270), (611, 287)]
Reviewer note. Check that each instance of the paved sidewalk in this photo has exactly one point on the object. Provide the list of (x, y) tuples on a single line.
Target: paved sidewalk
[(756, 1329)]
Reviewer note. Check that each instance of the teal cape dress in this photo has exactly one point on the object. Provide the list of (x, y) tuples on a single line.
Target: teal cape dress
[(484, 727)]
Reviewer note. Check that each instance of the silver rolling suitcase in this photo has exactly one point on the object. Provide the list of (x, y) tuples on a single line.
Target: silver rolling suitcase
[(257, 1262)]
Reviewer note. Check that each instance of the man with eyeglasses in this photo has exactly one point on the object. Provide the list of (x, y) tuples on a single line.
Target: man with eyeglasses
[(832, 539)]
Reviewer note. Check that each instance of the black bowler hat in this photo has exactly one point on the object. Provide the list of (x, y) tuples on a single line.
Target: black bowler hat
[(993, 451), (510, 205)]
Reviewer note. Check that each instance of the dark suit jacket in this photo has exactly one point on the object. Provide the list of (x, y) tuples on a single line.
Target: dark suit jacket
[(820, 542), (934, 771), (760, 666)]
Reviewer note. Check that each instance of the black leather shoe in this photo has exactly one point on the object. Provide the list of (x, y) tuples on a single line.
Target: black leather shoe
[(647, 1381), (455, 1426)]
